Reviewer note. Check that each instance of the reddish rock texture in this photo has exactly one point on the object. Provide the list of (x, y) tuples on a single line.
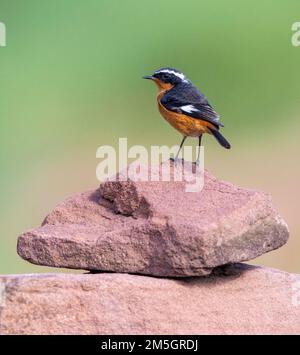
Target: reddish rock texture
[(156, 228), (239, 300)]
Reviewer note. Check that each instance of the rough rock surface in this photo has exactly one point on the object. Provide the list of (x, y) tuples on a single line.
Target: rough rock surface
[(156, 228), (239, 300)]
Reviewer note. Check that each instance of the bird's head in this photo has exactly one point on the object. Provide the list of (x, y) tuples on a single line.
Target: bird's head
[(166, 78)]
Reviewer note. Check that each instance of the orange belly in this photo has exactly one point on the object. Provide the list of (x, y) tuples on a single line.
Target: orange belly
[(186, 125)]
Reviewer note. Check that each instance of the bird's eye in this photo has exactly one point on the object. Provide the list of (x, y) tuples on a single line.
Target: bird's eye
[(165, 76)]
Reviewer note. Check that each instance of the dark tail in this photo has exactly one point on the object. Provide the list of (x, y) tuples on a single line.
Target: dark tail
[(224, 143)]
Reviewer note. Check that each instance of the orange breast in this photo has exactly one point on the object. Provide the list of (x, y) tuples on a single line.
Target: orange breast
[(186, 125)]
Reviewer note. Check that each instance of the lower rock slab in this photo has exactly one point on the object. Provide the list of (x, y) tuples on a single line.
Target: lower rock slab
[(240, 299)]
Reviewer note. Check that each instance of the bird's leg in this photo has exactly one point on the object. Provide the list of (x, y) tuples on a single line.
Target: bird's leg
[(181, 144), (198, 157)]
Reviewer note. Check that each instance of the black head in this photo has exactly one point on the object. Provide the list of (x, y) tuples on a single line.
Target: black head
[(168, 76)]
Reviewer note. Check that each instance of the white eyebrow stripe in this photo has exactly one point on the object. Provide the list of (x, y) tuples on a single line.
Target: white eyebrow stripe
[(179, 75), (189, 108)]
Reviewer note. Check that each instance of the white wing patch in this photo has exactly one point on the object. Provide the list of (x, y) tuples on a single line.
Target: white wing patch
[(179, 75), (188, 108)]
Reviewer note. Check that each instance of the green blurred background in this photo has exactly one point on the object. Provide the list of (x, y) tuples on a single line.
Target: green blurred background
[(71, 81)]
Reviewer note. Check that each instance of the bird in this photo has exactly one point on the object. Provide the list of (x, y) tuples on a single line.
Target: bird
[(185, 107)]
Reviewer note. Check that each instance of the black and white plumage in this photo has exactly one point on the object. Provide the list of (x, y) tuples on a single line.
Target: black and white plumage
[(186, 98)]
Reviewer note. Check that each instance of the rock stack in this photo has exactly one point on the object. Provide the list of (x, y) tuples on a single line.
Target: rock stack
[(126, 232)]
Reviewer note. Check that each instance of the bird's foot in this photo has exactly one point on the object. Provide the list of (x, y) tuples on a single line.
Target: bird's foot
[(197, 164), (177, 160)]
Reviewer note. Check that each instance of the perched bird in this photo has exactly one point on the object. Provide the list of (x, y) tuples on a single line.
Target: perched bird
[(185, 107)]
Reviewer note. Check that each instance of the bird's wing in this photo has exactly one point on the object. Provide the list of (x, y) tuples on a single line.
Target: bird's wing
[(190, 101)]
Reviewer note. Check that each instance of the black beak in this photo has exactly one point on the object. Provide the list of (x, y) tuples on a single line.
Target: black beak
[(149, 77)]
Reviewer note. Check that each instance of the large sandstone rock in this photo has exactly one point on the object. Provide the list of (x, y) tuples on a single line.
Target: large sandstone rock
[(156, 228), (239, 300)]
